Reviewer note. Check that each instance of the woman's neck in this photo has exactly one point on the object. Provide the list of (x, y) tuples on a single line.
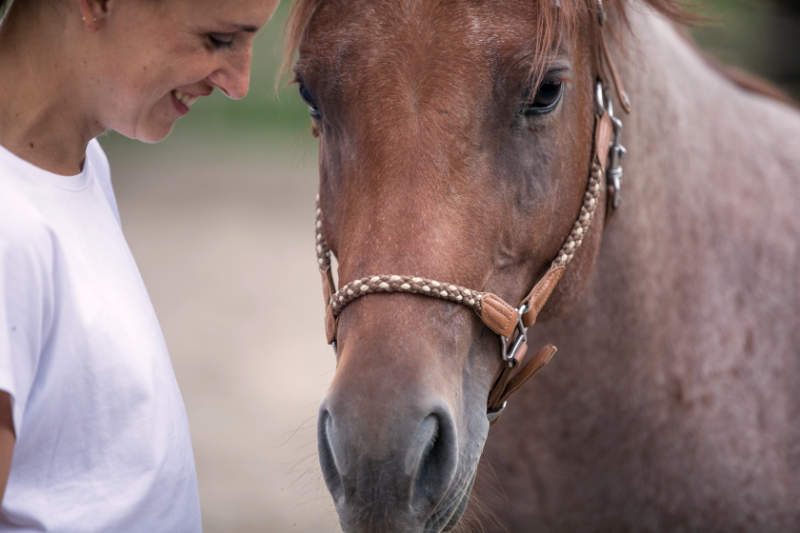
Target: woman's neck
[(42, 112)]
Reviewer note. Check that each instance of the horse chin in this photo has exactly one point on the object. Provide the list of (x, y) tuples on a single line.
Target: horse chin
[(448, 513), (461, 506), (451, 509)]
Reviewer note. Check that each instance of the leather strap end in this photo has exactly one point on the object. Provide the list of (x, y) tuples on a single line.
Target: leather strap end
[(508, 382), (622, 94), (497, 394), (519, 356), (603, 135), (542, 357), (330, 324), (328, 290), (498, 315), (328, 285)]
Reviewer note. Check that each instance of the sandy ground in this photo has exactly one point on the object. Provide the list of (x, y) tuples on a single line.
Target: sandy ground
[(223, 235)]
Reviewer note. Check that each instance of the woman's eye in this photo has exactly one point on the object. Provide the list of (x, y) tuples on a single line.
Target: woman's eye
[(220, 40), (546, 99), (305, 94)]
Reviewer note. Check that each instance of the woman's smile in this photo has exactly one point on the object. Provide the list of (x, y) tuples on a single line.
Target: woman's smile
[(183, 101), (202, 45)]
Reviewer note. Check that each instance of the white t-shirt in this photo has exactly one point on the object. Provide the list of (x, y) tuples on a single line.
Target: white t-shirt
[(102, 436)]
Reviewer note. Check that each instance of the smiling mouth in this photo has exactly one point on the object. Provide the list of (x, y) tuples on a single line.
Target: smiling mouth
[(186, 100)]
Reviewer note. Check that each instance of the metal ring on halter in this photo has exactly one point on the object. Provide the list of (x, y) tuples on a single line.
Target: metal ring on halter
[(494, 414), (616, 149), (520, 337), (614, 173), (601, 99), (601, 12)]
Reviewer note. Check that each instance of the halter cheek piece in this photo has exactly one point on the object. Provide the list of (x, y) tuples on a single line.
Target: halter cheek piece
[(510, 323)]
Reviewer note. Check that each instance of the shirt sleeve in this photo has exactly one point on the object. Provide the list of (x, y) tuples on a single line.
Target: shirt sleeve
[(25, 309)]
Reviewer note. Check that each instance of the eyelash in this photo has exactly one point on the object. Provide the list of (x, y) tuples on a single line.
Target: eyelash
[(216, 42), (308, 98)]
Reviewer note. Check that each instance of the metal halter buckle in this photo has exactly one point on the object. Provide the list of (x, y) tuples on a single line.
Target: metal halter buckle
[(519, 337), (616, 150), (494, 414), (601, 12)]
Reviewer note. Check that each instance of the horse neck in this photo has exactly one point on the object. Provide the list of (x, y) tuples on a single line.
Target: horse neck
[(691, 194), (681, 107)]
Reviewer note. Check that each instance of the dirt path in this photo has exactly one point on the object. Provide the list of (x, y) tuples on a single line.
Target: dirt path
[(223, 235)]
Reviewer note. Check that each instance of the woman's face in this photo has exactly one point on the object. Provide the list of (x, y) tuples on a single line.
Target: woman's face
[(155, 58)]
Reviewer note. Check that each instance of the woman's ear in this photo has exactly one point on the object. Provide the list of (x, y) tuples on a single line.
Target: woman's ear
[(95, 12)]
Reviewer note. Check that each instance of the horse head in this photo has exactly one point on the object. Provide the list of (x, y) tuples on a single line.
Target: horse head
[(457, 146)]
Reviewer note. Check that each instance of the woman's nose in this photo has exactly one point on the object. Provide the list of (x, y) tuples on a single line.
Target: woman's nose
[(233, 78)]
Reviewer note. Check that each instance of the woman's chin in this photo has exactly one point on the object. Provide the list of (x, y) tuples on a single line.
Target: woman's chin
[(153, 134)]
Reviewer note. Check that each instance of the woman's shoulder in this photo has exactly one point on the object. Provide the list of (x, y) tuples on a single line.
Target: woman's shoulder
[(28, 252), (24, 231)]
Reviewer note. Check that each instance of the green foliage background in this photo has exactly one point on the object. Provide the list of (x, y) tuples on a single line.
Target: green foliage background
[(757, 35), (760, 36)]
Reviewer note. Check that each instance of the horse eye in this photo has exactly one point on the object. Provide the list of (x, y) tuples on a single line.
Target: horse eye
[(548, 95), (305, 94)]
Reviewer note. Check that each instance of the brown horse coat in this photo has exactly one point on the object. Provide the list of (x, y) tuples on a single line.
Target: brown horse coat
[(673, 403)]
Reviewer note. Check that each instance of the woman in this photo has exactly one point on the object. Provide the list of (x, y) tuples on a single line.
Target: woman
[(93, 431)]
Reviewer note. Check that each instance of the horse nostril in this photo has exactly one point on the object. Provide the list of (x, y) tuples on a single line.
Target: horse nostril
[(327, 460), (436, 465)]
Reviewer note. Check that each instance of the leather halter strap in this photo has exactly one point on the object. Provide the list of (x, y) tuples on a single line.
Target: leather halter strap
[(508, 321)]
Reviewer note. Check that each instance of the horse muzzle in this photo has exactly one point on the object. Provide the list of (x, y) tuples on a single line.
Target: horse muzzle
[(387, 471), (398, 451)]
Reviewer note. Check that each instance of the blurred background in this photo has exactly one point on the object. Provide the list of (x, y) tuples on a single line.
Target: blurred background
[(220, 218)]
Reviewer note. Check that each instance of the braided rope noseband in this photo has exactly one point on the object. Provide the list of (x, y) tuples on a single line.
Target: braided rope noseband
[(448, 291), (509, 322)]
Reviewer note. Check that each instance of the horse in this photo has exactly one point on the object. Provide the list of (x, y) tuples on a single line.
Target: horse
[(462, 146)]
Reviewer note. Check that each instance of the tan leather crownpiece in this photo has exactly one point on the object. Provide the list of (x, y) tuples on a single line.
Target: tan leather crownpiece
[(622, 94), (330, 324), (327, 292), (328, 286), (603, 135), (498, 315), (540, 293)]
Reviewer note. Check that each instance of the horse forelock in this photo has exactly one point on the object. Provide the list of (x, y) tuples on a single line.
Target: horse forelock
[(556, 20)]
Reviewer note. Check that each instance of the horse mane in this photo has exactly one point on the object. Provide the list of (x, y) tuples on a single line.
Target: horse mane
[(557, 19)]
